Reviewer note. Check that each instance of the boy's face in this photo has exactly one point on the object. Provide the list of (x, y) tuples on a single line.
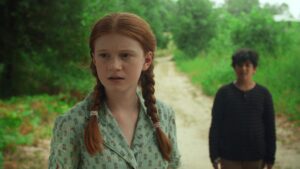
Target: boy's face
[(244, 71)]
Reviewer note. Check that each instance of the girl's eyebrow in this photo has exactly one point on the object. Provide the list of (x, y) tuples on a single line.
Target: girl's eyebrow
[(122, 50), (128, 50), (101, 50)]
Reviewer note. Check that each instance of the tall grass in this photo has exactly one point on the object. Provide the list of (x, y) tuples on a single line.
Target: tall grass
[(206, 71), (281, 76)]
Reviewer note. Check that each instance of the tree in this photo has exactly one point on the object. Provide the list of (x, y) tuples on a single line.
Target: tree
[(155, 12), (193, 25), (282, 9), (237, 7), (39, 40), (257, 30)]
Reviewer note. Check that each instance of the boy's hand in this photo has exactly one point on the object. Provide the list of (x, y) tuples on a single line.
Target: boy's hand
[(216, 165), (269, 166)]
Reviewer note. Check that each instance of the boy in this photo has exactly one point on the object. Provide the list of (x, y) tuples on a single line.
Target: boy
[(242, 132)]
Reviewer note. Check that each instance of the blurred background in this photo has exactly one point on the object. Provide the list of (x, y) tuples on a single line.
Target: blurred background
[(44, 59)]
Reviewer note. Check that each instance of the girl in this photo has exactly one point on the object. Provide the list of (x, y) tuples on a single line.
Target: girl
[(117, 126)]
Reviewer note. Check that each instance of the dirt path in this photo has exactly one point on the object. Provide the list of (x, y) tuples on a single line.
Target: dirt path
[(193, 119)]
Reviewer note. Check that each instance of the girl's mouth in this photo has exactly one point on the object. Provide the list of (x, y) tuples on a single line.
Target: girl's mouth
[(116, 78)]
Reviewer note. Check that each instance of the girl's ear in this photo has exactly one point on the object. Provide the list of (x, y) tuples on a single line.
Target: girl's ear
[(148, 60)]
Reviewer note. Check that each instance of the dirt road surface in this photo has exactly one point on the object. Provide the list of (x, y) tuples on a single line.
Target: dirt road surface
[(193, 115)]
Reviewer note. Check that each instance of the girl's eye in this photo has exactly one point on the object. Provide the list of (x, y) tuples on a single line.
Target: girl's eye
[(103, 55), (125, 55)]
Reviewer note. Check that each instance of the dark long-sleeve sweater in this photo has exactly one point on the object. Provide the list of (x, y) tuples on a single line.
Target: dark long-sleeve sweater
[(243, 125)]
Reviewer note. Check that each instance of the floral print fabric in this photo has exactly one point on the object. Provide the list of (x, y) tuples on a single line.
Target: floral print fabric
[(68, 150)]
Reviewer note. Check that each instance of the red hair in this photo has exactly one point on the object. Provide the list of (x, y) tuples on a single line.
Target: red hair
[(136, 28)]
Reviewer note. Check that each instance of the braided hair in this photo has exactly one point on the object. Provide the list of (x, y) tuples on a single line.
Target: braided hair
[(136, 28)]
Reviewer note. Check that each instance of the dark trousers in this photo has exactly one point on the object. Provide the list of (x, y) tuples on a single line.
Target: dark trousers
[(227, 164)]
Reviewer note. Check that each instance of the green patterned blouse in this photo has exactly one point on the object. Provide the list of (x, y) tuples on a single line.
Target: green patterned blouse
[(68, 150)]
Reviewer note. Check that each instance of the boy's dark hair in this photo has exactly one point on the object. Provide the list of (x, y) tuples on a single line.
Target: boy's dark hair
[(244, 54)]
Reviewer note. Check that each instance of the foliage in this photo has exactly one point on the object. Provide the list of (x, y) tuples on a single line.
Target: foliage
[(193, 26), (159, 13), (154, 12), (208, 71), (221, 42), (282, 78), (277, 9), (32, 41), (238, 7), (21, 118), (1, 160), (257, 31)]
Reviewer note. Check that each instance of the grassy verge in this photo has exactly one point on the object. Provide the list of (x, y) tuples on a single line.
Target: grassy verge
[(24, 120), (27, 119)]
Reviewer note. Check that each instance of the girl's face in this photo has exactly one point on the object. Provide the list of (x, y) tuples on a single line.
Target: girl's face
[(119, 61), (245, 71)]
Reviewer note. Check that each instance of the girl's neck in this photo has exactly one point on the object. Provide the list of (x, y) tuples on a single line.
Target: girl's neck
[(122, 102), (245, 85)]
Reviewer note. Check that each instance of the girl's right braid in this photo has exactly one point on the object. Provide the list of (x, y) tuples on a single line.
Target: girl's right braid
[(92, 136), (147, 83)]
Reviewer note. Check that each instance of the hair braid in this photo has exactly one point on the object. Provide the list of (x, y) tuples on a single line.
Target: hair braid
[(92, 135), (147, 83)]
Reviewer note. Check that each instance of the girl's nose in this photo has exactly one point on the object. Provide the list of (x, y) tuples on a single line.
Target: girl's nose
[(115, 64)]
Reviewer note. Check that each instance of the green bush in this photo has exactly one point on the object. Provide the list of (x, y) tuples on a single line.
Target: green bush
[(257, 30), (193, 26)]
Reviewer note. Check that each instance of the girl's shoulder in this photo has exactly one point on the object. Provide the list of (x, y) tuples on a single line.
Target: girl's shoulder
[(165, 111), (75, 117)]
